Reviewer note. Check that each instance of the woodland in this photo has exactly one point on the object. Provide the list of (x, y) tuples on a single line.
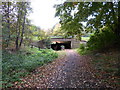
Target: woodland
[(101, 33)]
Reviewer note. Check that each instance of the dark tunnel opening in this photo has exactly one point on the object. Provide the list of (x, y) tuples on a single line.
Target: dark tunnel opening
[(57, 45)]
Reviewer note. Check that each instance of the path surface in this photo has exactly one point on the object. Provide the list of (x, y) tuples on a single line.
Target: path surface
[(71, 71)]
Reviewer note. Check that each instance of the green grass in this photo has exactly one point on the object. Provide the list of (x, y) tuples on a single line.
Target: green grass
[(85, 38), (82, 50), (18, 65)]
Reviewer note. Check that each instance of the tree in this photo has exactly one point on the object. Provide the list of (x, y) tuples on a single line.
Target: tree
[(69, 24), (103, 14), (57, 31), (22, 7), (14, 22), (6, 19)]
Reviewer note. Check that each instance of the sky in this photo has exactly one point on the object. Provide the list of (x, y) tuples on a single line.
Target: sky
[(43, 14)]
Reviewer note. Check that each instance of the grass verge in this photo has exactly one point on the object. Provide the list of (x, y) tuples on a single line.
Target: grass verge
[(18, 65), (106, 65), (108, 68)]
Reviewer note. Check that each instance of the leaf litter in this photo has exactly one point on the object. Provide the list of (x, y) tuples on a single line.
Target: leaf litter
[(70, 71)]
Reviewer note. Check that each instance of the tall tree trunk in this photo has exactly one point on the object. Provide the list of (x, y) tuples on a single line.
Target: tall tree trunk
[(8, 23), (17, 31), (116, 21), (17, 38), (118, 27), (23, 27), (23, 24)]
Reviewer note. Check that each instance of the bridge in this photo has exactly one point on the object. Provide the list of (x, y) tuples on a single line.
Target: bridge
[(69, 43), (56, 43)]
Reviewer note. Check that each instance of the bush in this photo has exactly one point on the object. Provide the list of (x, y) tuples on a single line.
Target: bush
[(102, 40), (82, 49), (20, 64), (48, 43)]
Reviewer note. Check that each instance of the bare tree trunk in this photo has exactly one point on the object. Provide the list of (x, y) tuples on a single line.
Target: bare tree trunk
[(8, 23), (17, 38), (17, 32), (23, 26), (116, 22), (118, 27), (20, 24)]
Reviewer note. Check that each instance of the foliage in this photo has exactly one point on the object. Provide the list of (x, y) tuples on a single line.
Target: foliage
[(16, 65), (47, 43), (71, 14), (69, 25), (17, 28), (42, 35), (56, 31), (82, 49), (14, 22), (96, 14), (103, 40)]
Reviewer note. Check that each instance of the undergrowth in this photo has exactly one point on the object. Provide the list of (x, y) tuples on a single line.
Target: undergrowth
[(108, 68), (103, 40), (82, 50), (17, 65), (106, 62)]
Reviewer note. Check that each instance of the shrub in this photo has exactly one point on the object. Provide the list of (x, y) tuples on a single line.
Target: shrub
[(16, 65), (102, 40), (82, 49)]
